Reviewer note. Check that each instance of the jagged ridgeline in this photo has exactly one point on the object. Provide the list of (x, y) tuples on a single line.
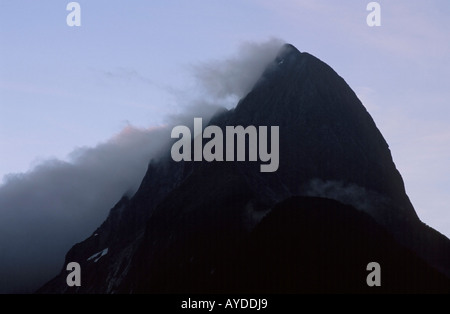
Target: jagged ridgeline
[(335, 204)]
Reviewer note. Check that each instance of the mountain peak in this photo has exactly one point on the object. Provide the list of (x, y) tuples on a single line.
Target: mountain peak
[(288, 50), (185, 215), (318, 111)]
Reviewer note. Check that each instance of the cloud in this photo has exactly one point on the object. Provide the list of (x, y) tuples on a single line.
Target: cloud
[(130, 75), (234, 77), (352, 194), (46, 210)]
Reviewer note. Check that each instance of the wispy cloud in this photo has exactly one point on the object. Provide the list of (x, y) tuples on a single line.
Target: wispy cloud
[(235, 76), (46, 210), (127, 74)]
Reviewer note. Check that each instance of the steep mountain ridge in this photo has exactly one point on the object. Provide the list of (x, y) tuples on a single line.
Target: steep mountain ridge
[(329, 147)]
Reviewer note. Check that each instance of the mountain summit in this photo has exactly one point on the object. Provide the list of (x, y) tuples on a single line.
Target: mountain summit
[(335, 204)]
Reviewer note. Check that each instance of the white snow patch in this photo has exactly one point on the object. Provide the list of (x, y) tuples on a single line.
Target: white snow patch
[(98, 255)]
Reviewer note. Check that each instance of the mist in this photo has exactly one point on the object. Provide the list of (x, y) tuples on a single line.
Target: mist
[(58, 203), (45, 211), (352, 194), (231, 79)]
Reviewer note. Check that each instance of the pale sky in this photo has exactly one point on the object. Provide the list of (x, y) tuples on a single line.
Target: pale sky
[(64, 87)]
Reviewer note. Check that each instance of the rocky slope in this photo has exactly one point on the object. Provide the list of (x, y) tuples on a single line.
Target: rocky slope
[(199, 226)]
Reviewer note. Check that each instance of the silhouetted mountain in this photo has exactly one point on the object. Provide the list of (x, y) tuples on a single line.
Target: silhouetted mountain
[(196, 226), (304, 245)]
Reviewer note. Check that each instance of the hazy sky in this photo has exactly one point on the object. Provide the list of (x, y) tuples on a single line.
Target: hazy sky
[(133, 62)]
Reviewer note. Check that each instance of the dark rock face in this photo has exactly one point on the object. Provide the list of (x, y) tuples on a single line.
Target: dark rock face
[(196, 226), (304, 245), (326, 134)]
